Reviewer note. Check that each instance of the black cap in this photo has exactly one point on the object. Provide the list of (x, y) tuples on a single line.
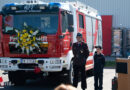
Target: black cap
[(98, 47), (79, 35)]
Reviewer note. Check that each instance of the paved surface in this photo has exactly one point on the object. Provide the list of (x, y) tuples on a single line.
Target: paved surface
[(108, 75), (50, 84)]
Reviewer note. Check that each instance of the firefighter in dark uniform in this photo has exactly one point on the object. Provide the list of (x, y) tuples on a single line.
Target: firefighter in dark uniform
[(81, 53), (99, 62)]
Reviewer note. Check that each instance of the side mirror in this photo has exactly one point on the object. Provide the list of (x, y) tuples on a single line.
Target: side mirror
[(61, 36), (71, 29), (63, 13)]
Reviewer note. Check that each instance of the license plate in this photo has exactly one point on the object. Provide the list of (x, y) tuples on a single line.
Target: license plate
[(28, 61), (3, 66)]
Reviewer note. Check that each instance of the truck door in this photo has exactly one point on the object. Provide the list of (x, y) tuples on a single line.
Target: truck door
[(81, 25), (0, 36), (67, 29)]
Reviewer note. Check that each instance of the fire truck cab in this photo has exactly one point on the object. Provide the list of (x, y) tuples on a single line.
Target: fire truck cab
[(36, 37)]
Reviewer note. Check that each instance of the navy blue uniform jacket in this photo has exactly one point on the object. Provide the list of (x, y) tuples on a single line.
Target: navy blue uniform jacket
[(81, 53), (99, 62)]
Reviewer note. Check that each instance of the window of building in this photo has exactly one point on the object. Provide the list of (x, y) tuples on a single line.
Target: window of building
[(81, 21)]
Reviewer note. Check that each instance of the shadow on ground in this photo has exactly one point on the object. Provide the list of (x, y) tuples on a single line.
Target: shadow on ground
[(41, 83), (38, 84)]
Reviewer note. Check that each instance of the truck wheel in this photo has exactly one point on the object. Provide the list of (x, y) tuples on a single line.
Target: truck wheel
[(11, 76), (17, 77), (89, 73), (70, 75)]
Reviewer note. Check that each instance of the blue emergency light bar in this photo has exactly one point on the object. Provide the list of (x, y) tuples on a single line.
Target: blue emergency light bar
[(54, 4), (11, 4), (50, 4), (25, 8)]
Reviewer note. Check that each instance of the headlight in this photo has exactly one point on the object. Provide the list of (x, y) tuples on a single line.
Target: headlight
[(14, 61), (40, 62)]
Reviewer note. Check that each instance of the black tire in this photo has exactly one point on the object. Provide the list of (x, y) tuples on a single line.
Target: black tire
[(17, 77), (11, 76), (70, 74), (89, 73)]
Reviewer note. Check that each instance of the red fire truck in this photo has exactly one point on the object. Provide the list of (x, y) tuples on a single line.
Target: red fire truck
[(36, 38)]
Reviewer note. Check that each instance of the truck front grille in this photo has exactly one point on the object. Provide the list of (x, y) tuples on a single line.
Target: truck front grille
[(27, 66)]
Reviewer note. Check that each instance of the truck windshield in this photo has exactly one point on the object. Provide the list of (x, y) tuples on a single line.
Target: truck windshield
[(47, 23)]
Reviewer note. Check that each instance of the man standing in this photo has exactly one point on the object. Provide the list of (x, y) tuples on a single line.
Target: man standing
[(81, 53), (99, 62)]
